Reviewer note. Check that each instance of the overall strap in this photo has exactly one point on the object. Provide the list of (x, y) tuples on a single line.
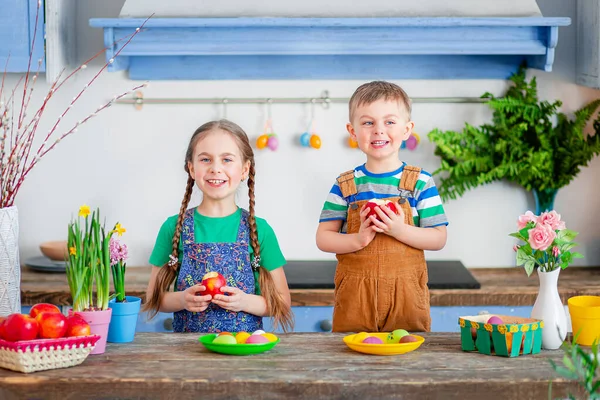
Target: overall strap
[(410, 176), (347, 185)]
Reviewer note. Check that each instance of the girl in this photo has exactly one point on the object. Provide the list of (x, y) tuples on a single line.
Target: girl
[(218, 236)]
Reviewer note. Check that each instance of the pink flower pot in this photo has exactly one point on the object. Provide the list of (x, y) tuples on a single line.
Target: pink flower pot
[(99, 321)]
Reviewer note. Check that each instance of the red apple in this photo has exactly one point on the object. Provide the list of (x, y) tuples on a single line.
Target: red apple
[(2, 320), (42, 307), (20, 327), (77, 326), (52, 325), (371, 204), (213, 281)]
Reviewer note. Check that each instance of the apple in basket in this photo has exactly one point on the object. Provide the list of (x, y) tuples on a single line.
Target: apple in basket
[(373, 203), (77, 326), (52, 325), (43, 307), (20, 327), (213, 282), (2, 321)]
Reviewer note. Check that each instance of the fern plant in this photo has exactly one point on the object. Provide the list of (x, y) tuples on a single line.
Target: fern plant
[(528, 143)]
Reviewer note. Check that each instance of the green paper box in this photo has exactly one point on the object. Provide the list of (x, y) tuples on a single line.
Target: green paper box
[(498, 339)]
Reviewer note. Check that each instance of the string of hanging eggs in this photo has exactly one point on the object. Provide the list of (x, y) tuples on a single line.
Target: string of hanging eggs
[(310, 138)]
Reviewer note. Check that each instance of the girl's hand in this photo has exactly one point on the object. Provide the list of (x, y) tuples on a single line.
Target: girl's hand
[(193, 302), (389, 222), (234, 301), (366, 231)]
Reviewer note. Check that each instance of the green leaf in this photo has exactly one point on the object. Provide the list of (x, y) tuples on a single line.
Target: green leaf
[(567, 235), (576, 255), (566, 372), (523, 257), (529, 267), (517, 235), (525, 233)]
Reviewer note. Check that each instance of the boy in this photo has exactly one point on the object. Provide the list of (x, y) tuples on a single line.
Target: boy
[(381, 276)]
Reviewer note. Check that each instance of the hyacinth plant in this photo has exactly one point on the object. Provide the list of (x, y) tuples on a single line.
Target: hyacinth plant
[(19, 126), (88, 266), (118, 255), (547, 242)]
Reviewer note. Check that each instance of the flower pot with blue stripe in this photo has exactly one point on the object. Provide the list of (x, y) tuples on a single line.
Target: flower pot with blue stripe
[(124, 319)]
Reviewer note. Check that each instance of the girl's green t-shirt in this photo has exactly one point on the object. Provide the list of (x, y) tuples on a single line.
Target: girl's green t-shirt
[(219, 230)]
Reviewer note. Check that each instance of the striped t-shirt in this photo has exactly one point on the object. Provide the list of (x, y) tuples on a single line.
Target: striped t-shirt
[(426, 204)]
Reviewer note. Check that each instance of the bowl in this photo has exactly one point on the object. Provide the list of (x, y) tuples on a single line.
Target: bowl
[(55, 250), (237, 349), (386, 349)]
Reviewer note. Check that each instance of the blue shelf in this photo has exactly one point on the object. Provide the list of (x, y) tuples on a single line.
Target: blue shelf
[(330, 48)]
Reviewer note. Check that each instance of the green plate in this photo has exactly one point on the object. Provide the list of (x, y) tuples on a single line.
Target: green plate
[(235, 349)]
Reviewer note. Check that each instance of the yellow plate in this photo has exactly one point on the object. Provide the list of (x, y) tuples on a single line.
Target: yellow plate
[(382, 349)]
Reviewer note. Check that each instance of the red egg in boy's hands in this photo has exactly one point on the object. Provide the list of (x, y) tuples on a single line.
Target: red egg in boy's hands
[(373, 203)]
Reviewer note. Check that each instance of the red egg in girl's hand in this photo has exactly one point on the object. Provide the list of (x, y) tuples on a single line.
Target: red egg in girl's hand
[(371, 204)]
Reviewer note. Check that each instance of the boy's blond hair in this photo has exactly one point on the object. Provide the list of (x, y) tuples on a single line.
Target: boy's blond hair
[(368, 93)]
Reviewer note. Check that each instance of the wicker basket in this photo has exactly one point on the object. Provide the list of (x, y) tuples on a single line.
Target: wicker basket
[(42, 354)]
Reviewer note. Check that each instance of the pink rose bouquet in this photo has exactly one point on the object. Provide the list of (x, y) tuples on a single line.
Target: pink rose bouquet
[(548, 242)]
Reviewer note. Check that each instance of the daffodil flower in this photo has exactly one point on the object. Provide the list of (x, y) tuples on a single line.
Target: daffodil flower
[(84, 210), (119, 229), (72, 250)]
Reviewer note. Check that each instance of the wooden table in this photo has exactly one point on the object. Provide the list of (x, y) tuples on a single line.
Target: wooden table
[(309, 365), (499, 286)]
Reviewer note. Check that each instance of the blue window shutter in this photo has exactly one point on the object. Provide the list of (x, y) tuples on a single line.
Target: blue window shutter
[(17, 26)]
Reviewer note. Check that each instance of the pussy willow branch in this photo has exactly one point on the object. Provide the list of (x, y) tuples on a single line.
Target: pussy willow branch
[(23, 108), (18, 164)]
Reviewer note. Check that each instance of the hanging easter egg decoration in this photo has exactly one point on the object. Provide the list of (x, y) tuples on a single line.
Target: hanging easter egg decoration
[(305, 139), (268, 139), (352, 143), (315, 141), (412, 141), (272, 142), (416, 135), (261, 141)]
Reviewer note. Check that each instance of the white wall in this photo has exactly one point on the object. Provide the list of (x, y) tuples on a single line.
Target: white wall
[(130, 163)]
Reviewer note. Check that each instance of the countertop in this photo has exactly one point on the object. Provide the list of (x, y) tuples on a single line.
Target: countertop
[(499, 286), (302, 365)]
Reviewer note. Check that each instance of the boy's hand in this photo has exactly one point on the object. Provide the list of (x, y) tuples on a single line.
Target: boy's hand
[(193, 302), (234, 301), (389, 222), (366, 232)]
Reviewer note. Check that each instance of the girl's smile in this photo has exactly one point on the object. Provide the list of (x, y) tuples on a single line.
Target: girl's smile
[(217, 167)]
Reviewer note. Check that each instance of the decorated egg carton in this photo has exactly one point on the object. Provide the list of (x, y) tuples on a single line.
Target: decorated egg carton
[(499, 339), (43, 354)]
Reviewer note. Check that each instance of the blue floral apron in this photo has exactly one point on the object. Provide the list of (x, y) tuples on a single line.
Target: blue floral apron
[(232, 260)]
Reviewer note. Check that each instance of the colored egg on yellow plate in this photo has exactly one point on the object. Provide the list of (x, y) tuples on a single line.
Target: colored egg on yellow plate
[(359, 337)]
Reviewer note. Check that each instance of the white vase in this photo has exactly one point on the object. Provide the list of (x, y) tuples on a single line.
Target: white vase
[(10, 268), (549, 308)]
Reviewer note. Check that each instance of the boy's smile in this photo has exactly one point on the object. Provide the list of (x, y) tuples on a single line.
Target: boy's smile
[(379, 128)]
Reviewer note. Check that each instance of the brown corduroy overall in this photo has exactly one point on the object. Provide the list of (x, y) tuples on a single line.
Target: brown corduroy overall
[(383, 286)]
